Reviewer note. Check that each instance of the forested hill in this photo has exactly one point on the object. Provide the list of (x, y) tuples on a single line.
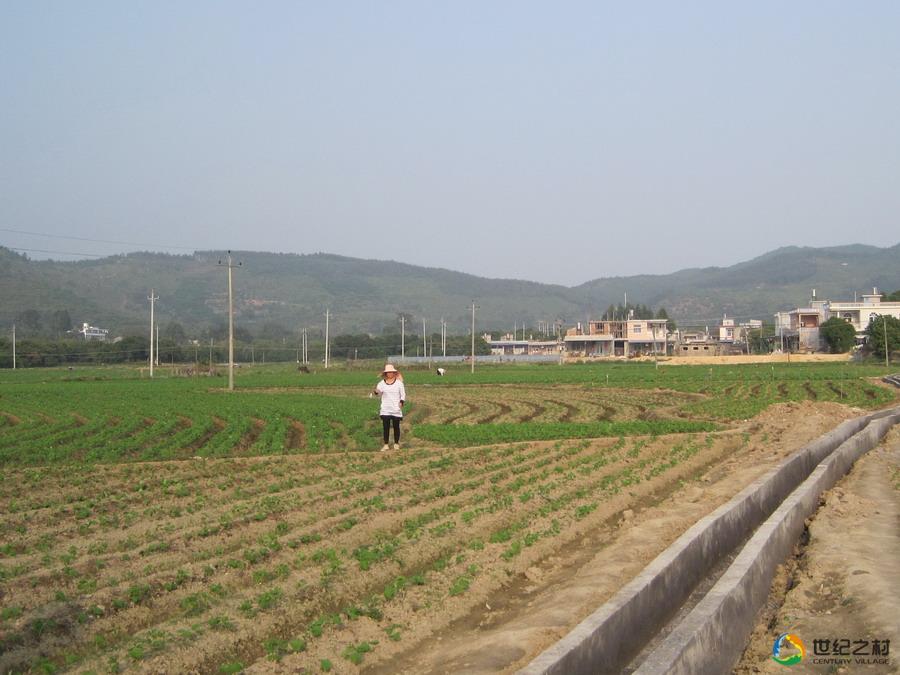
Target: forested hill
[(291, 291), (781, 279)]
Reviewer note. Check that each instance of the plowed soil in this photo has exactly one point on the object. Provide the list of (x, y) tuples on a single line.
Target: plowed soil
[(425, 561)]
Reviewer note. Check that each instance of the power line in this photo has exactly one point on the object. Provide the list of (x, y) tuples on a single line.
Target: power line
[(96, 241), (41, 250), (88, 352)]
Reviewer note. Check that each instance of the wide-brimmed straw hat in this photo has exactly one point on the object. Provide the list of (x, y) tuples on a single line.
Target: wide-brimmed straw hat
[(389, 368)]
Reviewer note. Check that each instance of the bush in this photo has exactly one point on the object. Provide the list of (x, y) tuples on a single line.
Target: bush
[(839, 335), (875, 333)]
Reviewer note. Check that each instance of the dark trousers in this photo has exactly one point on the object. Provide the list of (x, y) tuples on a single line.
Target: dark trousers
[(386, 422)]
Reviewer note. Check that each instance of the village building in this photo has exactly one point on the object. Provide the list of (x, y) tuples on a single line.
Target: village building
[(728, 332), (90, 332), (631, 337), (696, 343), (728, 338), (737, 333), (799, 328), (508, 345)]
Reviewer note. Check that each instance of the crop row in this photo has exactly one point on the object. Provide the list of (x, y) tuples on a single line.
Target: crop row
[(115, 422), (401, 522), (102, 424)]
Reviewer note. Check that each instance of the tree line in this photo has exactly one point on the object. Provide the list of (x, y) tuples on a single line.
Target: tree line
[(49, 339), (44, 352)]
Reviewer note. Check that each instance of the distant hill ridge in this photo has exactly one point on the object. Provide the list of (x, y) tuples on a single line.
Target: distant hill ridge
[(293, 290)]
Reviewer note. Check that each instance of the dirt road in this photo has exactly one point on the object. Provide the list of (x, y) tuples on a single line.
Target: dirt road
[(843, 584)]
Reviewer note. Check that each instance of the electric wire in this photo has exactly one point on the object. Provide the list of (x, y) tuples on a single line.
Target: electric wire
[(41, 250), (96, 241)]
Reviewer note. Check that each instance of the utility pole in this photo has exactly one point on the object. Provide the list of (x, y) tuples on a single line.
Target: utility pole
[(230, 265), (305, 347), (402, 338), (14, 346), (157, 344), (887, 358), (474, 307), (327, 317), (443, 337), (424, 339), (152, 298), (560, 340)]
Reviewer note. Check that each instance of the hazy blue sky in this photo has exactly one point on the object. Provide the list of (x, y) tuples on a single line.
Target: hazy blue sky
[(558, 142)]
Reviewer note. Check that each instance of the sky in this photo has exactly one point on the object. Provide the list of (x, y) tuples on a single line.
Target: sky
[(555, 142)]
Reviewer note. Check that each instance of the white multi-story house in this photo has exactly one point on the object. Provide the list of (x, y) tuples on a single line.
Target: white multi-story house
[(93, 333), (728, 332), (861, 313), (731, 332), (632, 337), (508, 345), (800, 327)]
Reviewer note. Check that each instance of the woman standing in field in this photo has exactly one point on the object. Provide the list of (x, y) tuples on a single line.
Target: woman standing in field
[(393, 395)]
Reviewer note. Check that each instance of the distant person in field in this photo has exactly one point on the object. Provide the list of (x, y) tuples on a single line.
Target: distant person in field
[(393, 395)]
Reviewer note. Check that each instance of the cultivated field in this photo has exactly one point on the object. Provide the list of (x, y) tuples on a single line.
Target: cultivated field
[(168, 526)]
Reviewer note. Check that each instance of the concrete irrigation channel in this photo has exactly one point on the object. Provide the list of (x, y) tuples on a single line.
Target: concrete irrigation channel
[(691, 610)]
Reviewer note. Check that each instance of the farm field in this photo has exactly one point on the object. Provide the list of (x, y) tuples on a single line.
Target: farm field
[(169, 526)]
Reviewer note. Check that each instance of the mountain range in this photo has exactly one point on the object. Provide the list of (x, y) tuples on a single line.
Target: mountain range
[(367, 296)]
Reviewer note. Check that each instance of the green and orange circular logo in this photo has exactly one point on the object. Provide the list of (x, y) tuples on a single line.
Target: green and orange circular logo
[(788, 649)]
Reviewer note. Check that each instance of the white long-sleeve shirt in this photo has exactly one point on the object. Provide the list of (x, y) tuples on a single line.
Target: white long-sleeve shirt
[(391, 395)]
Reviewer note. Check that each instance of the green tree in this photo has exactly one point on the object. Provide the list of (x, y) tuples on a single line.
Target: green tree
[(838, 334), (875, 334), (5, 353), (891, 297), (131, 348), (761, 339), (663, 314), (217, 329), (60, 322), (241, 334), (28, 322), (461, 345), (174, 332), (274, 331)]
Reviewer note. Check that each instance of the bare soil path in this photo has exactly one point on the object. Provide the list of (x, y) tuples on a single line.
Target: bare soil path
[(843, 584)]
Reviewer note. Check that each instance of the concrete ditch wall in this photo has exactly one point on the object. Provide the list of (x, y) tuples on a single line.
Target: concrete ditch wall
[(712, 636), (608, 639)]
